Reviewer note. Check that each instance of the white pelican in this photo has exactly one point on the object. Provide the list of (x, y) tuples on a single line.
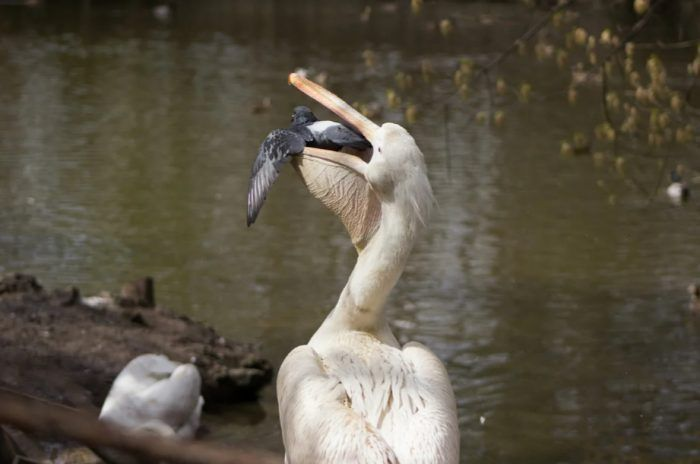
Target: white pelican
[(353, 394), (154, 394)]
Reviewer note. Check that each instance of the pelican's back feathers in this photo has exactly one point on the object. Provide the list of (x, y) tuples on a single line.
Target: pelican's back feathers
[(358, 391)]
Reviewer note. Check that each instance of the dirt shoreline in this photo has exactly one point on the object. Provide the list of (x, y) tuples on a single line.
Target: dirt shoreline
[(55, 346)]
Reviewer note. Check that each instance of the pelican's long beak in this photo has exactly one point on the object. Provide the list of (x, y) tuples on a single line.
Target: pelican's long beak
[(349, 114)]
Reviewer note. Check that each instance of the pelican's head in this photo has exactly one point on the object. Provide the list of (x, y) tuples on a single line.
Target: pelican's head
[(396, 171)]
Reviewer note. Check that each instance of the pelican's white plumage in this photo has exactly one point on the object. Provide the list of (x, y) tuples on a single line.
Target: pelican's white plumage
[(353, 394), (155, 394)]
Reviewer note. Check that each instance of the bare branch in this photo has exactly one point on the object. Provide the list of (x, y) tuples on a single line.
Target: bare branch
[(667, 45), (527, 35), (691, 87), (659, 179), (54, 420), (636, 29), (604, 95)]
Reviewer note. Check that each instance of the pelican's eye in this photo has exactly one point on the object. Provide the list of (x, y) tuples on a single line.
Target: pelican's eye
[(379, 149)]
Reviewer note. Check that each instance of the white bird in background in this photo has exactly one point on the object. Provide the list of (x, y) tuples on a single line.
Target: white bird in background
[(677, 190), (353, 394), (154, 394)]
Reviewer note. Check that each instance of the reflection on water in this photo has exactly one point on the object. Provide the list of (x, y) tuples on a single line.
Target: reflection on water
[(125, 148)]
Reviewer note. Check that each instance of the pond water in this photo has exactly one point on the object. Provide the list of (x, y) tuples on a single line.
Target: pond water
[(125, 149)]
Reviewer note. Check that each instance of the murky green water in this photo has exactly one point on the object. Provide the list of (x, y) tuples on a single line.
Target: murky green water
[(125, 149)]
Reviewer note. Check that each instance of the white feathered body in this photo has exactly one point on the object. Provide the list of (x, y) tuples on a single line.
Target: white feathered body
[(357, 399), (353, 394), (677, 191), (155, 394)]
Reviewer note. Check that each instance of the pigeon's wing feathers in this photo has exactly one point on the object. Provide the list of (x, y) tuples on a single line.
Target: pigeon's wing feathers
[(346, 137), (275, 150), (304, 133)]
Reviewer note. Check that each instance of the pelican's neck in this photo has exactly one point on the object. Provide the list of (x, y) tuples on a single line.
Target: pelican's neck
[(378, 268)]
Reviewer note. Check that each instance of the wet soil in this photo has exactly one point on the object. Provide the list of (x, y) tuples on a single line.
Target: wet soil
[(55, 346)]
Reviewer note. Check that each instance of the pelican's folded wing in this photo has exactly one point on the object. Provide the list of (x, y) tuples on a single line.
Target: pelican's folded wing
[(343, 191), (434, 425), (318, 423)]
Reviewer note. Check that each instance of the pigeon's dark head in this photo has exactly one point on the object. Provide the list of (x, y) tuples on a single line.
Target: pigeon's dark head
[(302, 116)]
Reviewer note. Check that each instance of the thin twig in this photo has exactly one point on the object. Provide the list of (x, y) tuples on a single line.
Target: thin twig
[(527, 35), (614, 53), (54, 420), (636, 183), (489, 91), (691, 87), (483, 71), (636, 29), (659, 179), (666, 45), (604, 95)]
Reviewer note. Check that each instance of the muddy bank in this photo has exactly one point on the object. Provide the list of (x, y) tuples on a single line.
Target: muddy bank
[(55, 346)]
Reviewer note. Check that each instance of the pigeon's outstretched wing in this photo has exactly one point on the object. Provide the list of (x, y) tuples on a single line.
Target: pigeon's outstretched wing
[(275, 150)]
